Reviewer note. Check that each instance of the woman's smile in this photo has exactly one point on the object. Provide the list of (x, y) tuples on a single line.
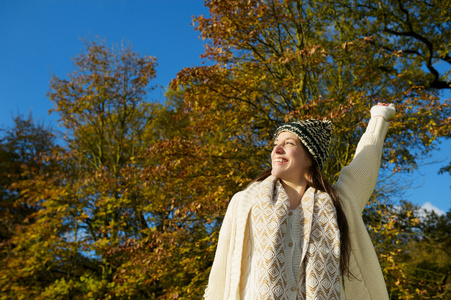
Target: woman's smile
[(279, 160)]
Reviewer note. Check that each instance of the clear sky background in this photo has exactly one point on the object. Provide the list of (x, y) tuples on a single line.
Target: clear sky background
[(39, 38)]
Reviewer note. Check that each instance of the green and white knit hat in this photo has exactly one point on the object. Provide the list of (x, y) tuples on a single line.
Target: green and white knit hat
[(314, 134)]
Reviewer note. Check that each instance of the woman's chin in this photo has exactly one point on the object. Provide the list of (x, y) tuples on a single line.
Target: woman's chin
[(278, 174)]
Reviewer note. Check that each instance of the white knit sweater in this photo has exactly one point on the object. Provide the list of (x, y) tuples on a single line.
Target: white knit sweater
[(230, 270), (292, 246)]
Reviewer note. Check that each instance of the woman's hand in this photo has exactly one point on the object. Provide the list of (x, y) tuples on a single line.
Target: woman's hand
[(384, 110)]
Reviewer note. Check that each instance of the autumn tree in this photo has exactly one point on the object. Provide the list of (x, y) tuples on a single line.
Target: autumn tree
[(91, 203), (414, 247), (429, 259), (22, 149), (417, 32), (23, 152)]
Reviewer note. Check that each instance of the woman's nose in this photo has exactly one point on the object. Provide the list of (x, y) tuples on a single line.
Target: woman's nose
[(278, 149)]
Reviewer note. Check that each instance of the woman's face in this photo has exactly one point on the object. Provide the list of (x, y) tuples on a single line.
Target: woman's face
[(289, 158)]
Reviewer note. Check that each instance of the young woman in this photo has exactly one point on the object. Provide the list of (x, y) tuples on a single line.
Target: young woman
[(291, 235)]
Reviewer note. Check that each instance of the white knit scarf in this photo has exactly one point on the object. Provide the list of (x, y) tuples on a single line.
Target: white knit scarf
[(319, 271)]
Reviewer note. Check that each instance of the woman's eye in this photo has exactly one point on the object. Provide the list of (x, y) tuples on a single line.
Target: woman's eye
[(284, 143)]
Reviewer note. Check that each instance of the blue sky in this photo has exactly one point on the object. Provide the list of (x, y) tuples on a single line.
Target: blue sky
[(39, 38)]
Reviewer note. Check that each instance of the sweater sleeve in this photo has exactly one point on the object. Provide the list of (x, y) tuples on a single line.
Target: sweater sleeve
[(217, 281), (358, 179)]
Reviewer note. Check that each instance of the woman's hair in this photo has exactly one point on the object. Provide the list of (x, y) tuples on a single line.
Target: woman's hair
[(316, 180)]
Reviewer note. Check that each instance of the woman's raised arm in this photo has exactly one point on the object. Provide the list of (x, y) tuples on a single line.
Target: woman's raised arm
[(358, 179)]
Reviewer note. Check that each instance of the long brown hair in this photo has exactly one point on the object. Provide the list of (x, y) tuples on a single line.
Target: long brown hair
[(316, 180)]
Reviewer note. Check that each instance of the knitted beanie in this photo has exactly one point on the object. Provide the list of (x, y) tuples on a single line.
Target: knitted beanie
[(314, 134)]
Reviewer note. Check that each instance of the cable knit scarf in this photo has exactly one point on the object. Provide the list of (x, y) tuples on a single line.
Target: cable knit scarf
[(319, 271)]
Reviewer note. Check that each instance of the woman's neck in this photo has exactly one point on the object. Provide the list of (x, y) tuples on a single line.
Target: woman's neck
[(294, 192)]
